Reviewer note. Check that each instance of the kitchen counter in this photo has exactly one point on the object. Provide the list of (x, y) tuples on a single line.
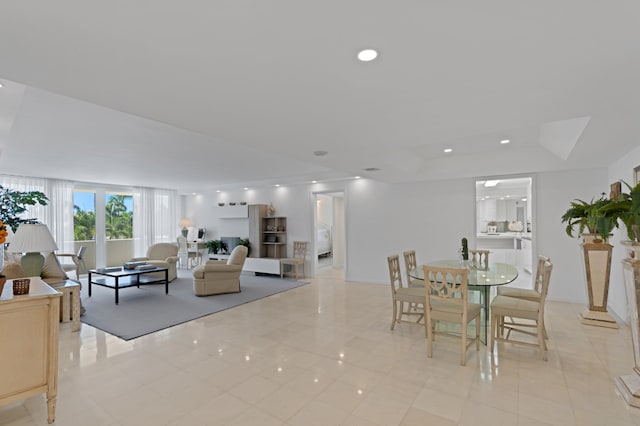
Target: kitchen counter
[(504, 235)]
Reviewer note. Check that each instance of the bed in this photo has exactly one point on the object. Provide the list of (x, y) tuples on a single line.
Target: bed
[(323, 239)]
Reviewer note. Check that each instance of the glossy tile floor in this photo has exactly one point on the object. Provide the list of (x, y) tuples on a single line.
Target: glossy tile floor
[(323, 355)]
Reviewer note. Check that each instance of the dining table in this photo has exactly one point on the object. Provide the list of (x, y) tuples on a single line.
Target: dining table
[(480, 280)]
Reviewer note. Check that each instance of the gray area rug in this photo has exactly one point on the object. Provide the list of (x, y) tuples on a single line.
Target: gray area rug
[(148, 309)]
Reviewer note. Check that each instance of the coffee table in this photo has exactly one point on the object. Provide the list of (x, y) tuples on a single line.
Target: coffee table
[(122, 278)]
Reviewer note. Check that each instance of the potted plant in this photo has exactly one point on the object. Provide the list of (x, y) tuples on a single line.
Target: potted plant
[(629, 385), (245, 242), (12, 205), (214, 246), (631, 216), (599, 217)]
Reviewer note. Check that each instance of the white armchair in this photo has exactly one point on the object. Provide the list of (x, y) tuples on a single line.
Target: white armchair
[(164, 255), (218, 276)]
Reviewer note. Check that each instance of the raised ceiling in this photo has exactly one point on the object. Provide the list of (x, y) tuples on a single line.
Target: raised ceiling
[(196, 95)]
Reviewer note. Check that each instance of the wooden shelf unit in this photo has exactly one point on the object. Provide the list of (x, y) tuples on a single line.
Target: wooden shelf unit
[(274, 237)]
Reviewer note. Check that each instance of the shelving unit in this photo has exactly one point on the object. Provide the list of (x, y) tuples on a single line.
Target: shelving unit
[(274, 237)]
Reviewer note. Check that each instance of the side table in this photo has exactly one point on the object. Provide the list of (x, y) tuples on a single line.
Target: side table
[(70, 302)]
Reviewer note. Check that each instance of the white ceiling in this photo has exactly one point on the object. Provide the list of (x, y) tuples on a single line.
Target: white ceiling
[(196, 95)]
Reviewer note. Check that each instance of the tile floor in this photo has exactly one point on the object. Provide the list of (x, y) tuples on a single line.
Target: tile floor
[(323, 355)]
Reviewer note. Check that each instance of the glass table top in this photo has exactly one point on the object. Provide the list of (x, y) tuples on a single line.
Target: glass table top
[(496, 274)]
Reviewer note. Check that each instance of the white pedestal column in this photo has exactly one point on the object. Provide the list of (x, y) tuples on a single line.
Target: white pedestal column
[(629, 385)]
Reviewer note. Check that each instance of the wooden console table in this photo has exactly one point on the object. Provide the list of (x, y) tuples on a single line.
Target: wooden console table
[(29, 344)]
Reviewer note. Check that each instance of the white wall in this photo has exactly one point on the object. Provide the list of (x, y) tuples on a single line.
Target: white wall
[(621, 169), (554, 192), (430, 217)]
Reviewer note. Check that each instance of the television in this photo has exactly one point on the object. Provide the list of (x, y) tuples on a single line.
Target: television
[(231, 243)]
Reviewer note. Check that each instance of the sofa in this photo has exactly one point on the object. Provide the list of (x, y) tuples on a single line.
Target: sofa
[(219, 276), (163, 255)]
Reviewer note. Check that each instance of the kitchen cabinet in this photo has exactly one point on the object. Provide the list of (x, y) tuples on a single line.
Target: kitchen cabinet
[(29, 350), (524, 257)]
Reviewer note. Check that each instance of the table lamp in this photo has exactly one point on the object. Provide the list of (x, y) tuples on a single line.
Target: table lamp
[(185, 222), (32, 239)]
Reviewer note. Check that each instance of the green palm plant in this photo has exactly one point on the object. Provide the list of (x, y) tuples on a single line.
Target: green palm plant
[(599, 217)]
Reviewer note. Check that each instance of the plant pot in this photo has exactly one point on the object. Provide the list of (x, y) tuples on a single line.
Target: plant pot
[(629, 385), (3, 281), (597, 262)]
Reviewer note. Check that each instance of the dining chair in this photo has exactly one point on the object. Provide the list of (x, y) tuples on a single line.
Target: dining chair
[(298, 260), (479, 258), (78, 264), (410, 263), (447, 300), (401, 295), (534, 294), (185, 254), (515, 308)]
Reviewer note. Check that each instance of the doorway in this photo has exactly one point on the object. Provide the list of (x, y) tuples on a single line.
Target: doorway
[(505, 222), (329, 252)]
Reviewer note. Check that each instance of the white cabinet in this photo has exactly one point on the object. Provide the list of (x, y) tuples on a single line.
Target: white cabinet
[(29, 344), (524, 258), (232, 212)]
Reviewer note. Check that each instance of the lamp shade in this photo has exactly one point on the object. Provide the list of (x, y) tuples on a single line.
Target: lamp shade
[(185, 222), (32, 237)]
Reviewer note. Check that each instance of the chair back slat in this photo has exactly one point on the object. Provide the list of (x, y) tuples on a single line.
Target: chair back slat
[(539, 278), (395, 277), (300, 249), (479, 259), (448, 284)]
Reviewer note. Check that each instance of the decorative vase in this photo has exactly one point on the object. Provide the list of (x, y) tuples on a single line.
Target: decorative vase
[(597, 262), (629, 385)]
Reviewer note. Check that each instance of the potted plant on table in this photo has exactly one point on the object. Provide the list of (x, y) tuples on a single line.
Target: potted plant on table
[(600, 217)]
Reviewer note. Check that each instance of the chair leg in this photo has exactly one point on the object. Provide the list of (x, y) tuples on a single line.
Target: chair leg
[(543, 347), (463, 355), (395, 313), (494, 329), (429, 336), (478, 333)]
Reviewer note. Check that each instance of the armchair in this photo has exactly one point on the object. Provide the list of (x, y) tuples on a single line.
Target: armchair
[(164, 255), (217, 277)]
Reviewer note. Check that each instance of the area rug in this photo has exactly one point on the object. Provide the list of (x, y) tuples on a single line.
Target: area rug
[(148, 309)]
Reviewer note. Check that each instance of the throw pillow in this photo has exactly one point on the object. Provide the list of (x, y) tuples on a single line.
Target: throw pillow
[(13, 270), (52, 272)]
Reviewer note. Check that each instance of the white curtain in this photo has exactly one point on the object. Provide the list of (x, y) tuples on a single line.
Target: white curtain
[(60, 195), (154, 218), (25, 184)]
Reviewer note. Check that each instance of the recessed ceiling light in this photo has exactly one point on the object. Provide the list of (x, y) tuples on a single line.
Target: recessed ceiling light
[(246, 189), (314, 181), (277, 184), (508, 196), (502, 198), (357, 177), (367, 55), (448, 150), (491, 183), (320, 153), (505, 141), (194, 193), (1, 85), (524, 199), (217, 190)]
